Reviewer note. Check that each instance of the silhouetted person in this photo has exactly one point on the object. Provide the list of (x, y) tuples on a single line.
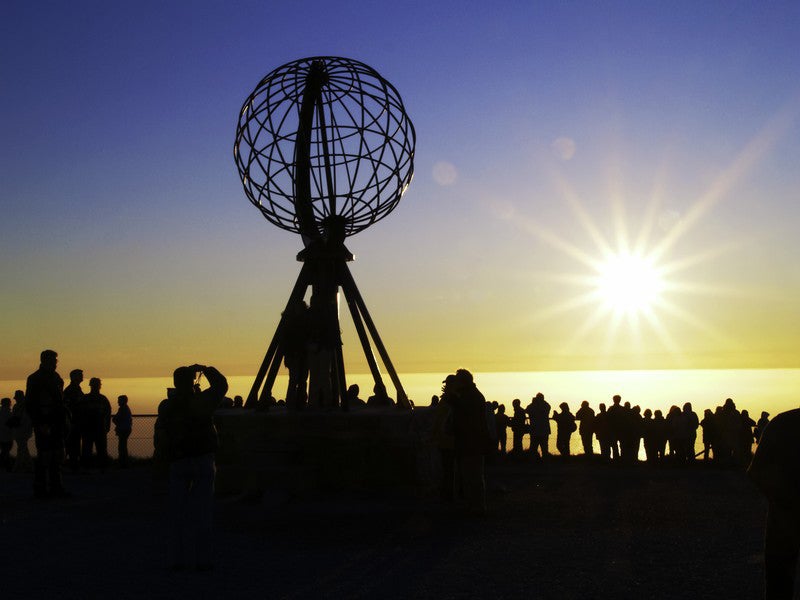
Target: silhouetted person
[(23, 430), (565, 425), (502, 423), (444, 438), (6, 434), (97, 423), (616, 424), (602, 429), (352, 400), (264, 403), (677, 433), (160, 442), (717, 444), (517, 426), (379, 397), (692, 423), (45, 402), (294, 343), (585, 415), (123, 425), (776, 471), (471, 441), (74, 402), (491, 428), (636, 433), (191, 441), (629, 430), (660, 434), (648, 437), (322, 335), (729, 429), (708, 425), (761, 425), (539, 413), (238, 402), (746, 437)]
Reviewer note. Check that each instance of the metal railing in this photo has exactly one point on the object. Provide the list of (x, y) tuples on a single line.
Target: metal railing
[(140, 442)]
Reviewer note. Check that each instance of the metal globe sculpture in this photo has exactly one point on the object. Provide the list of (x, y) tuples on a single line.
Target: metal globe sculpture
[(324, 148), (327, 132)]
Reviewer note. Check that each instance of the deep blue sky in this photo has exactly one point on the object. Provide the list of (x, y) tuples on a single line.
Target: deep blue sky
[(128, 242)]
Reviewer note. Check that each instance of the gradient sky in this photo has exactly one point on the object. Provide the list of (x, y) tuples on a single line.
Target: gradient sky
[(548, 135)]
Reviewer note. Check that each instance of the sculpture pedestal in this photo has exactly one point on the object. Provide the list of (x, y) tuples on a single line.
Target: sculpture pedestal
[(366, 449)]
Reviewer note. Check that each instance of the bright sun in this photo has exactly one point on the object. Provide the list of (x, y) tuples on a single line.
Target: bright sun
[(629, 290), (628, 283)]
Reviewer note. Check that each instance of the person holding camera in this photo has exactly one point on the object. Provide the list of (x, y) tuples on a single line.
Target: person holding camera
[(191, 441)]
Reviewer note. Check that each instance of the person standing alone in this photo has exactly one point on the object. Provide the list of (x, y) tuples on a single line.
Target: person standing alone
[(45, 404), (123, 425)]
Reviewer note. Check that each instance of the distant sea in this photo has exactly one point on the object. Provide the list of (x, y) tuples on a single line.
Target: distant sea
[(773, 390)]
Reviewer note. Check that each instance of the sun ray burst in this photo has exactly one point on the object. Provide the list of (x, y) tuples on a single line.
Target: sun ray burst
[(629, 284)]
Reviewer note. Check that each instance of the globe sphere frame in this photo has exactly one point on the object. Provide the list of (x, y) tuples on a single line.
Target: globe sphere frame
[(324, 148), (361, 146)]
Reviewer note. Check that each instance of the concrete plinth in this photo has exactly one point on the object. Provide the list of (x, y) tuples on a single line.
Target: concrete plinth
[(363, 449)]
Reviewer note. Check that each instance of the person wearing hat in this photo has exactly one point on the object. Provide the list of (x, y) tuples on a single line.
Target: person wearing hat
[(44, 396), (565, 425), (22, 431), (96, 425)]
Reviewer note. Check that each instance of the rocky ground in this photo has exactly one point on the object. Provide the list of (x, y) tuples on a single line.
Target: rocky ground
[(555, 530)]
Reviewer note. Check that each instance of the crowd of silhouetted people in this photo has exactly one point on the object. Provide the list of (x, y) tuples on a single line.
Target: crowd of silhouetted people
[(71, 425), (68, 425), (466, 429), (619, 432)]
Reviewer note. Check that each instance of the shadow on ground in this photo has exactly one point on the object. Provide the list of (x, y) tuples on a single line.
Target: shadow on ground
[(559, 530)]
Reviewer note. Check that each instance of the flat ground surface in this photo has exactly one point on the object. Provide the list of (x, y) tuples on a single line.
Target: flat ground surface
[(556, 530)]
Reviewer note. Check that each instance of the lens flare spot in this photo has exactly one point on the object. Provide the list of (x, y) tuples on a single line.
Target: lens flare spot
[(445, 173), (564, 148)]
